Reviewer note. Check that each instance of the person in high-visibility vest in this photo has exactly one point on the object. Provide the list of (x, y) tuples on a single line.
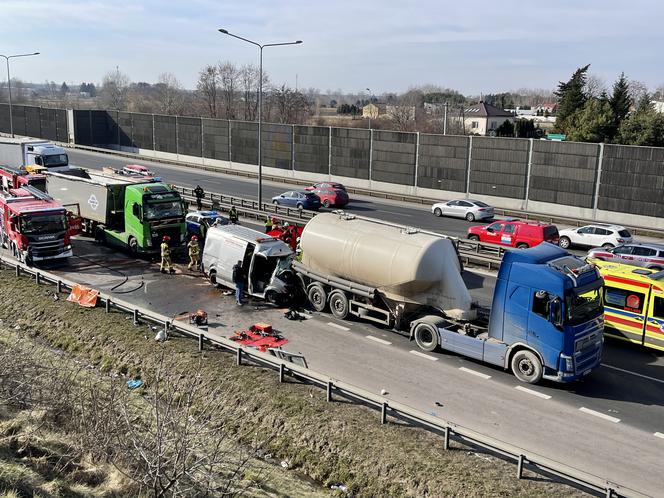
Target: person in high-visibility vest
[(166, 265), (268, 224), (194, 253), (232, 215)]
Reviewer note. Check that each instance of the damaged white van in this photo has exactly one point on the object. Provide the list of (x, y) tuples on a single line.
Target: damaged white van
[(266, 261)]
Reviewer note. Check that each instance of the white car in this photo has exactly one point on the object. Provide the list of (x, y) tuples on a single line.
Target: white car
[(463, 208), (595, 235)]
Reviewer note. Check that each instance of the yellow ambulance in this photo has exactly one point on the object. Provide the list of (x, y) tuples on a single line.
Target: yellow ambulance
[(633, 303)]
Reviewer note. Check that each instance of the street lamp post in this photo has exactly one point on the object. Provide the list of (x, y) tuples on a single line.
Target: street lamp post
[(369, 90), (9, 87), (260, 104)]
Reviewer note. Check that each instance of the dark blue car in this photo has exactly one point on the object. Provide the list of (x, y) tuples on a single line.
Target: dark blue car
[(298, 199), (196, 218)]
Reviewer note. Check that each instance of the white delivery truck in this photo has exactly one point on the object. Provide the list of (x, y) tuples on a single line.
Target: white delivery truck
[(23, 151), (266, 261)]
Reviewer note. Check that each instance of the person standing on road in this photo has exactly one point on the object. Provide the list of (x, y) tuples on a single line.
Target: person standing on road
[(268, 224), (166, 264), (238, 280), (199, 193), (232, 215), (194, 253)]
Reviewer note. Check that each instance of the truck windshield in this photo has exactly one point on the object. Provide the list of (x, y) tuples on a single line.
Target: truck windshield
[(160, 210), (40, 224), (583, 307), (55, 160)]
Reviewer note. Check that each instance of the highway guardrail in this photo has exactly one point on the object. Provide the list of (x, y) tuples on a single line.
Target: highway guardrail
[(447, 429), (525, 215)]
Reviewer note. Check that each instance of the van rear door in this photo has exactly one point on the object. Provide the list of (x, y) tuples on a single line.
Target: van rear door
[(654, 333)]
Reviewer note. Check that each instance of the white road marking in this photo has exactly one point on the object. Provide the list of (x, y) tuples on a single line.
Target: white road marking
[(633, 373), (337, 326), (423, 355), (474, 372), (531, 391), (599, 414), (382, 341), (659, 435)]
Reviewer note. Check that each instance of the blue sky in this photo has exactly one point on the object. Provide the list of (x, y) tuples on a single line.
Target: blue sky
[(480, 46)]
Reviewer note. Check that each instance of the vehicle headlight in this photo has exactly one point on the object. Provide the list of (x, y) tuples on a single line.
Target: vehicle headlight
[(567, 363)]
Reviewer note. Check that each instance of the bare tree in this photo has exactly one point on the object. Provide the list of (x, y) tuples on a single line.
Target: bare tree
[(228, 76), (179, 448), (208, 89), (249, 85), (659, 93), (290, 106), (637, 90), (114, 89), (169, 94), (595, 86), (404, 112)]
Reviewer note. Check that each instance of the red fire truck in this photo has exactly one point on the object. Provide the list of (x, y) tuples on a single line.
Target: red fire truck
[(33, 226), (17, 178)]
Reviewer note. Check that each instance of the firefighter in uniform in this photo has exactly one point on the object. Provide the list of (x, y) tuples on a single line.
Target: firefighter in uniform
[(268, 224), (194, 253), (232, 215), (166, 265)]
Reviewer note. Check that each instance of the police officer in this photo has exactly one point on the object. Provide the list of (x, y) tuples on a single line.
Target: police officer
[(194, 253), (268, 224), (166, 256), (232, 215), (199, 193)]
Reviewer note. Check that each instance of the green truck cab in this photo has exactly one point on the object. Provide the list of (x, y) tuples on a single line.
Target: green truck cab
[(125, 212)]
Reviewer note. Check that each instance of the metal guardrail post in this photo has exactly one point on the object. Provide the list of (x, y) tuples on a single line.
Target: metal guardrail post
[(328, 394), (107, 305), (201, 342), (136, 322), (282, 372), (18, 270), (58, 286), (383, 413), (609, 492), (238, 356), (37, 277), (446, 438), (519, 467)]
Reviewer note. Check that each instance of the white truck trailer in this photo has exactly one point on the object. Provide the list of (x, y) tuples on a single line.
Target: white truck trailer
[(21, 152)]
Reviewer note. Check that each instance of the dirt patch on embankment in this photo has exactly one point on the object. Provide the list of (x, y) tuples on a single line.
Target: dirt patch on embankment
[(333, 444)]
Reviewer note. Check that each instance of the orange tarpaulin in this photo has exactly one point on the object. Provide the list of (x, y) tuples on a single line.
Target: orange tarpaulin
[(84, 296)]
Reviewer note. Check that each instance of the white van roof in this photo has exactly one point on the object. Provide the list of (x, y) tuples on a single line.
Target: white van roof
[(275, 247)]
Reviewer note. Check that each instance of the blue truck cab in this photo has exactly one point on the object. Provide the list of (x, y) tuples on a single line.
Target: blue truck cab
[(546, 320)]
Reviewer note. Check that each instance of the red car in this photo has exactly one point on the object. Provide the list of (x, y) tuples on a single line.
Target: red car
[(331, 196), (515, 233), (326, 185)]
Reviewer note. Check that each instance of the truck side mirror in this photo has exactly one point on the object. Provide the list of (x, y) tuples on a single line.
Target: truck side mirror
[(555, 312)]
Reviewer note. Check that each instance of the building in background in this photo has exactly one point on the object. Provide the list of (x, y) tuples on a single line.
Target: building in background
[(484, 119)]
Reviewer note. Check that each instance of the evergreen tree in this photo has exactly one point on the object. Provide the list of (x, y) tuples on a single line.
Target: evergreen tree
[(620, 102), (64, 89), (506, 129), (594, 123), (645, 126), (571, 98)]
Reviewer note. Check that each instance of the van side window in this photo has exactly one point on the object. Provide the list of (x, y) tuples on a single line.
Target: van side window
[(623, 299), (658, 308), (541, 305)]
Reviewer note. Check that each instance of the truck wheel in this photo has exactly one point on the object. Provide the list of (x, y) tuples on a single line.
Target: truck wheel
[(564, 242), (339, 304), (100, 236), (426, 336), (213, 278), (526, 366), (133, 246), (317, 297)]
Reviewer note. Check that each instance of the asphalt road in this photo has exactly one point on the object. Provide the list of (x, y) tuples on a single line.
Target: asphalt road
[(610, 424)]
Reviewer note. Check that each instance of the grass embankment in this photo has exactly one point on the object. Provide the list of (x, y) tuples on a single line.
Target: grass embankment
[(336, 443)]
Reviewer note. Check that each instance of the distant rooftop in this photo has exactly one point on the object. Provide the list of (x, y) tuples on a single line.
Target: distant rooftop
[(484, 110)]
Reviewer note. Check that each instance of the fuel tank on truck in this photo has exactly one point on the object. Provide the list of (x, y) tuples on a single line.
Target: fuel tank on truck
[(404, 264)]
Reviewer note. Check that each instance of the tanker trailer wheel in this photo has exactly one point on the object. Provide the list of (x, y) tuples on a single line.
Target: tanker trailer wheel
[(317, 297), (339, 304), (426, 336), (526, 366), (133, 246)]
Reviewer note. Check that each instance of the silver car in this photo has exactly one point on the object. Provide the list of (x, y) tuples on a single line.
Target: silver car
[(463, 208), (650, 255)]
